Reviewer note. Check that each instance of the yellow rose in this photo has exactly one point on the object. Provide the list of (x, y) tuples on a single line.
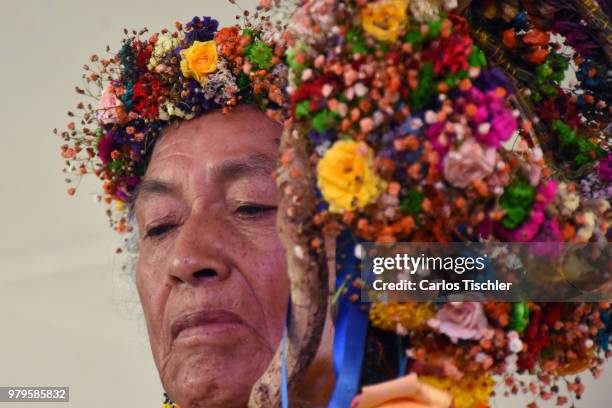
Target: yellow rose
[(385, 19), (199, 60), (346, 178)]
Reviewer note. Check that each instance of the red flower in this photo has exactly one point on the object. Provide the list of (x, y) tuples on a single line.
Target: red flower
[(143, 52), (452, 54), (310, 91), (460, 24), (552, 314), (537, 337), (147, 91)]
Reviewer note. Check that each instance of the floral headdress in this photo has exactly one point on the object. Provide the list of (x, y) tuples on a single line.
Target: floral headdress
[(154, 80), (417, 128)]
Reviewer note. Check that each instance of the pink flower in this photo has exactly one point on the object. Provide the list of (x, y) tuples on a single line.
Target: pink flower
[(461, 321), (311, 14), (110, 107), (468, 164), (493, 122)]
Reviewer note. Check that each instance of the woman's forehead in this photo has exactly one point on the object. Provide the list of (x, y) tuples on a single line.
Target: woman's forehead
[(216, 137)]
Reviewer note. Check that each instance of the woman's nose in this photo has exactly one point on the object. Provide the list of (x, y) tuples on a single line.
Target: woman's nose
[(201, 251)]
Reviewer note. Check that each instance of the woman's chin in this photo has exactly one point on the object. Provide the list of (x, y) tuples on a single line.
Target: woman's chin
[(209, 377)]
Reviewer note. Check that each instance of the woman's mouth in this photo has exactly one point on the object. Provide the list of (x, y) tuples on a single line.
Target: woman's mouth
[(206, 324)]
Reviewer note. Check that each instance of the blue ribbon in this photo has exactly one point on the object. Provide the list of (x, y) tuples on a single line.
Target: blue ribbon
[(403, 359), (284, 386), (351, 328), (350, 337)]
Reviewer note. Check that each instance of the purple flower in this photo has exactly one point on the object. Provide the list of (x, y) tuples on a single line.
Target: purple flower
[(127, 185), (490, 79), (604, 168), (577, 37), (197, 102), (201, 29), (320, 138)]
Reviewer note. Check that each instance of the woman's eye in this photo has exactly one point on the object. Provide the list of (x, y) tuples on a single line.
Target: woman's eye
[(159, 230), (254, 210)]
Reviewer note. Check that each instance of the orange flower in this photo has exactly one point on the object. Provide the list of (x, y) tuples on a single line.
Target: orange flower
[(228, 42), (536, 37), (538, 55), (509, 38)]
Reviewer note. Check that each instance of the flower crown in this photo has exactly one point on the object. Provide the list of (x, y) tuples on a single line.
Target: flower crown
[(168, 77)]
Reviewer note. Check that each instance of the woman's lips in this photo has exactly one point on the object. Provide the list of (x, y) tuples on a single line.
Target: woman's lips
[(206, 323)]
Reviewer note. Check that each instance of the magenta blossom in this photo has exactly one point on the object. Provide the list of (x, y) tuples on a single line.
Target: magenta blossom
[(604, 168)]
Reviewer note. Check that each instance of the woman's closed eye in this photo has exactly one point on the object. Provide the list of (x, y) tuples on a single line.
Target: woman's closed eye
[(158, 231), (253, 210)]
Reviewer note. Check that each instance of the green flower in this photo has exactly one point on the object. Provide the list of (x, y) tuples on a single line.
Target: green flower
[(260, 54), (115, 165), (520, 317), (477, 57), (412, 202), (355, 39), (581, 150), (324, 120), (517, 201), (302, 110), (426, 90), (413, 37)]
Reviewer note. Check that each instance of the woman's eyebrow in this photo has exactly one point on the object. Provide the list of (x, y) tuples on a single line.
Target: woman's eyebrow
[(229, 170), (152, 187)]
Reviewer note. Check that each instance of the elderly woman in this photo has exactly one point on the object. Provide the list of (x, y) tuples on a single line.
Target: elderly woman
[(211, 271), (186, 141)]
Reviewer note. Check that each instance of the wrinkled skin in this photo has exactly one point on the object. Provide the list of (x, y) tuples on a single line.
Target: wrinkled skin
[(211, 273)]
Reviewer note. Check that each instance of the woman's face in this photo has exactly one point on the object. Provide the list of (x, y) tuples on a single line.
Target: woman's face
[(211, 273)]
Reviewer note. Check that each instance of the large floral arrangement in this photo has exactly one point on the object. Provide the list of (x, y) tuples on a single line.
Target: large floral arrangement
[(154, 80), (414, 134)]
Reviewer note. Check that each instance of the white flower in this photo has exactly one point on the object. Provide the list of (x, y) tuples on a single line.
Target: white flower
[(169, 110), (511, 361), (567, 201), (425, 10), (586, 231), (165, 44), (360, 89), (515, 343)]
